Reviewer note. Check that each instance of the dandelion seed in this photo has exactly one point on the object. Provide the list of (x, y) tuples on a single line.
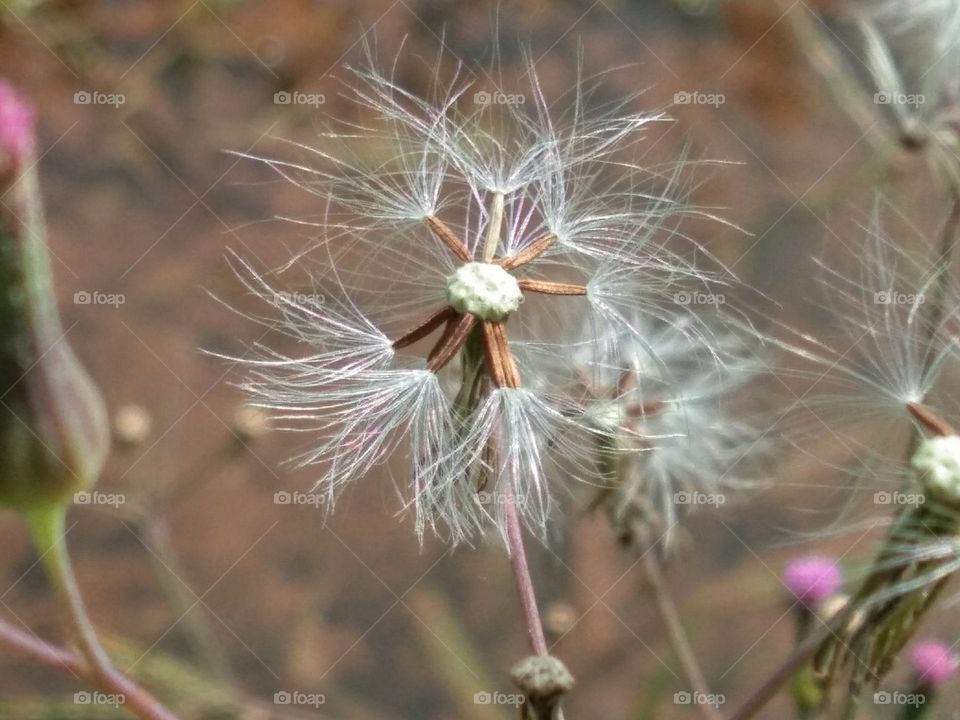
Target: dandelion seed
[(440, 233)]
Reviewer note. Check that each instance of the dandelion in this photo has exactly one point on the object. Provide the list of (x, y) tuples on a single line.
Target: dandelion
[(893, 314), (679, 439), (912, 52), (898, 312), (479, 230)]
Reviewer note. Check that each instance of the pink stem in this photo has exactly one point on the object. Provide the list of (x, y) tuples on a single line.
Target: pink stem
[(521, 575), (136, 699)]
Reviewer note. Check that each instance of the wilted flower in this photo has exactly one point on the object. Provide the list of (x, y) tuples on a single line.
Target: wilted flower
[(492, 226), (54, 431)]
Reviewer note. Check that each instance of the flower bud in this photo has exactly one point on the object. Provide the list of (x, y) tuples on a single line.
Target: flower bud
[(812, 579), (933, 663), (54, 431)]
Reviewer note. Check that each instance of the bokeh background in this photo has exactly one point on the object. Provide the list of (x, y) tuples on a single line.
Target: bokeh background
[(219, 596)]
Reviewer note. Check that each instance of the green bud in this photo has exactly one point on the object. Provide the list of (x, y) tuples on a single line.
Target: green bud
[(54, 432)]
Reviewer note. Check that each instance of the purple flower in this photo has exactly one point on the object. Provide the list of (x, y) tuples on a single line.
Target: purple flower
[(813, 578), (933, 662), (16, 125)]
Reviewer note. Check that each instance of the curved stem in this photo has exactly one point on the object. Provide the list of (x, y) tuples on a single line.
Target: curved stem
[(47, 525)]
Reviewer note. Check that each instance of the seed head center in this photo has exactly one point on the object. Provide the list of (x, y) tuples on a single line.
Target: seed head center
[(484, 290)]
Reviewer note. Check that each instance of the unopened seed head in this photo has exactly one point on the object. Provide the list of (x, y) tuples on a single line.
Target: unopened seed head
[(483, 290), (937, 460)]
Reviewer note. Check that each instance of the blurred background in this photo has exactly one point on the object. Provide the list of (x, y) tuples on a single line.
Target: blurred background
[(219, 595)]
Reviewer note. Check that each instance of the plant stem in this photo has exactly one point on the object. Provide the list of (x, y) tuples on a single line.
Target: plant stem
[(43, 653), (521, 576), (47, 524), (803, 653), (676, 633)]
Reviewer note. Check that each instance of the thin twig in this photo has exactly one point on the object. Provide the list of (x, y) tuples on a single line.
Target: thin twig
[(676, 633), (801, 655)]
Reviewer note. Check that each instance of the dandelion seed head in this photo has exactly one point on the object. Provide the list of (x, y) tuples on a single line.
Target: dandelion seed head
[(813, 578), (484, 290), (469, 250), (937, 461)]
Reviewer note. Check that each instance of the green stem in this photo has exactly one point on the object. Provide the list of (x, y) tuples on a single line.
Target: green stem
[(48, 524)]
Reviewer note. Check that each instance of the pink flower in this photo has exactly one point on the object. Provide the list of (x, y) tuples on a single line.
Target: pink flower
[(813, 578), (933, 662), (16, 125)]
